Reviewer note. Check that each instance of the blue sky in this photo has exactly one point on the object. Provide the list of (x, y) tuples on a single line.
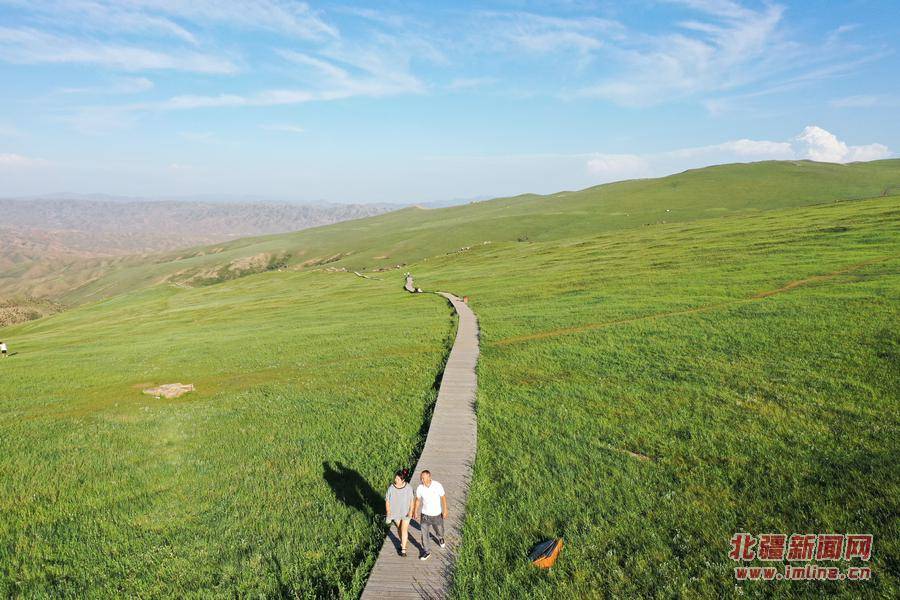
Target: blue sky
[(416, 102)]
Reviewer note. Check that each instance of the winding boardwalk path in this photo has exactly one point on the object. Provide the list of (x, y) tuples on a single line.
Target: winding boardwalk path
[(449, 454)]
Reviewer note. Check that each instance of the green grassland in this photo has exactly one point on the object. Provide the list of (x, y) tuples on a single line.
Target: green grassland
[(755, 361), (664, 363), (236, 489)]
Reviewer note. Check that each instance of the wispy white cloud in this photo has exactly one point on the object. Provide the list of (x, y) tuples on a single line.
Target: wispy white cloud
[(285, 16), (103, 17), (375, 15), (618, 166), (322, 67), (737, 102), (537, 33), (858, 101), (386, 58), (866, 101), (10, 131), (838, 32), (373, 68), (162, 17), (31, 46), (19, 161), (130, 85), (727, 47), (468, 83), (97, 120), (736, 150), (264, 98), (131, 35), (197, 136), (283, 128)]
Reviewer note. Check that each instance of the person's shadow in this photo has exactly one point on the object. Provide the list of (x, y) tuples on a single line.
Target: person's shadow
[(351, 488)]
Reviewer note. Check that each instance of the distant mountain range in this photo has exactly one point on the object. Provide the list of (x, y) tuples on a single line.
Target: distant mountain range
[(70, 226), (41, 237)]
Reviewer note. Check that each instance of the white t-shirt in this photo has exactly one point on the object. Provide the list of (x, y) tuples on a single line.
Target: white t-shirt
[(431, 498)]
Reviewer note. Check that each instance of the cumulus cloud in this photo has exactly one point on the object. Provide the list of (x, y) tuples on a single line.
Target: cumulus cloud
[(815, 143)]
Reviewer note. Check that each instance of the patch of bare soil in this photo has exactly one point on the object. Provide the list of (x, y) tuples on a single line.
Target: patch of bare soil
[(20, 311), (170, 390), (257, 262)]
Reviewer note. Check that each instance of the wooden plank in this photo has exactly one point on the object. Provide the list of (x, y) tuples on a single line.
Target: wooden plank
[(449, 454)]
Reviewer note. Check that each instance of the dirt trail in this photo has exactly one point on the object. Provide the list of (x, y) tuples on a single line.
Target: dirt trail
[(816, 278), (791, 285)]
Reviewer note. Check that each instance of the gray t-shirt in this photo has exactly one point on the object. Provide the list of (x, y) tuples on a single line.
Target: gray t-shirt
[(400, 500)]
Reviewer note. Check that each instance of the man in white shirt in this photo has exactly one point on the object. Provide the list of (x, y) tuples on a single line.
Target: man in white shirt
[(430, 509)]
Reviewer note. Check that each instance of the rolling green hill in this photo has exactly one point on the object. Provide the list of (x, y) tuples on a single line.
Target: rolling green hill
[(414, 234), (664, 363)]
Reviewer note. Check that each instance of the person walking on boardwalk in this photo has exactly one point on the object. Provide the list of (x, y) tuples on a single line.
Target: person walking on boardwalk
[(431, 506), (398, 507)]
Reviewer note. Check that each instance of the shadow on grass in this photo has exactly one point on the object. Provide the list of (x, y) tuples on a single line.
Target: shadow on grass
[(351, 488), (284, 590)]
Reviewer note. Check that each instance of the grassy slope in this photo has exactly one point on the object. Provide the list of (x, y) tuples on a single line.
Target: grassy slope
[(777, 413), (414, 234), (107, 492)]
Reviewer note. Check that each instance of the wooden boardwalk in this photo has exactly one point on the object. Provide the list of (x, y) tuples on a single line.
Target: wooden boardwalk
[(449, 454)]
